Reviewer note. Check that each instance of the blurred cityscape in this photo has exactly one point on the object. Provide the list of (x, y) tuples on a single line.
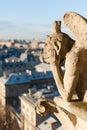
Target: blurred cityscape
[(25, 78)]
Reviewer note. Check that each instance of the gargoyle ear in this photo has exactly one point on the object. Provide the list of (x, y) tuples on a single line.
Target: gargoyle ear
[(58, 47)]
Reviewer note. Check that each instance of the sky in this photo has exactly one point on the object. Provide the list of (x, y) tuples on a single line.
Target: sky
[(28, 19)]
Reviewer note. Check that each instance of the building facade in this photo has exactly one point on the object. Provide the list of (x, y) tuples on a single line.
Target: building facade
[(33, 121)]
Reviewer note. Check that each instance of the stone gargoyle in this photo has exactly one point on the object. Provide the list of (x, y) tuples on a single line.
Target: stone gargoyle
[(71, 107)]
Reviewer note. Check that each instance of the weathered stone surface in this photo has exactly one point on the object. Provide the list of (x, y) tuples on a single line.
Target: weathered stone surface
[(72, 105)]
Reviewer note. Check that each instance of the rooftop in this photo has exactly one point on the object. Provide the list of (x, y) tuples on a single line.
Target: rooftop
[(18, 78), (25, 77), (43, 67), (46, 125)]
